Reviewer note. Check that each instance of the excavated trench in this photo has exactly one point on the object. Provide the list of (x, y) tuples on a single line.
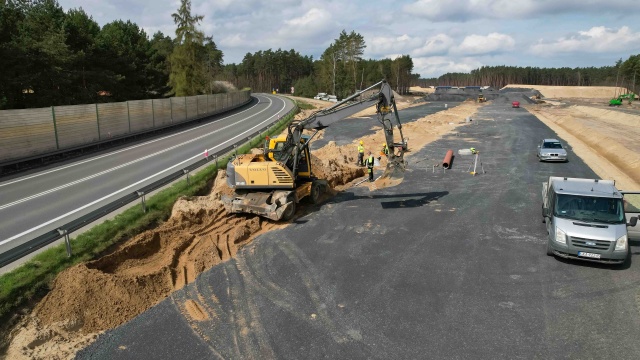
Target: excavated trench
[(101, 294)]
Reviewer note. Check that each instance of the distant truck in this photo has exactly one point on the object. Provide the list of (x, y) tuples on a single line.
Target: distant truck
[(515, 104), (586, 219)]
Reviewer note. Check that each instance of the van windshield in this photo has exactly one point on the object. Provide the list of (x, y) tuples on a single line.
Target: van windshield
[(587, 208)]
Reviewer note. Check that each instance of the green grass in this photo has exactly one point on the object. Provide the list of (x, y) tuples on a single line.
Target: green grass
[(305, 105), (32, 280)]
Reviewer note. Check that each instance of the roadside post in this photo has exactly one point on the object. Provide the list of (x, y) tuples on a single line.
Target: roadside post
[(66, 240), (144, 204), (186, 171)]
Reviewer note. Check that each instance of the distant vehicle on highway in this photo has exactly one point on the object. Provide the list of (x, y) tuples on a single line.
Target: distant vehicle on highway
[(551, 150), (515, 104)]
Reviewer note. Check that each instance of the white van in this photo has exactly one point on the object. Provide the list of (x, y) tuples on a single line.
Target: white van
[(587, 219)]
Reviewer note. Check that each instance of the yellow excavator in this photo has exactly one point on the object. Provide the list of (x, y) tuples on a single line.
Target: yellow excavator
[(272, 183)]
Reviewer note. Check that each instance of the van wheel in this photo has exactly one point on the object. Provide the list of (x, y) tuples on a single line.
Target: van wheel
[(549, 248)]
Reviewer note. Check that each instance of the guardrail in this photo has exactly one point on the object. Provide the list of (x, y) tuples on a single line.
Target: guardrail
[(28, 134), (66, 229)]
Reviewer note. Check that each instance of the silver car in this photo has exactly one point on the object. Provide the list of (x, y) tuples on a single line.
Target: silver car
[(551, 150)]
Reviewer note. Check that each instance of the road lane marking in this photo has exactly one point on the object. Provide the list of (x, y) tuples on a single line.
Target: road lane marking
[(75, 182), (121, 150), (134, 184)]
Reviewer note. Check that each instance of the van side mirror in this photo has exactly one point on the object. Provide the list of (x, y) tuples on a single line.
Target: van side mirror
[(633, 221)]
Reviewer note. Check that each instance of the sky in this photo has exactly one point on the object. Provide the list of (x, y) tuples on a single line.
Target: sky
[(440, 35)]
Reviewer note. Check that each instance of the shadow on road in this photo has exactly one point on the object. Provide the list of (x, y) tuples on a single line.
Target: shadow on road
[(395, 201)]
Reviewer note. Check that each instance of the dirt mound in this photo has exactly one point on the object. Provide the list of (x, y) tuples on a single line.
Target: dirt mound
[(101, 294), (591, 92), (605, 139), (421, 90), (104, 293), (418, 133)]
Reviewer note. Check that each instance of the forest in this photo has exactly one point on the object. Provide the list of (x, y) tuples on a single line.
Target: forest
[(623, 73), (52, 57)]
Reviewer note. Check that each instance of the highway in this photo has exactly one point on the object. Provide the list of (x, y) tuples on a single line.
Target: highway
[(39, 201)]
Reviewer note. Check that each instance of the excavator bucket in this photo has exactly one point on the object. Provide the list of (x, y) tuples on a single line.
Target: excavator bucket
[(394, 172)]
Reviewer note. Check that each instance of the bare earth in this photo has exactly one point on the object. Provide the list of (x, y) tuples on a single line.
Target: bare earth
[(101, 294), (567, 92)]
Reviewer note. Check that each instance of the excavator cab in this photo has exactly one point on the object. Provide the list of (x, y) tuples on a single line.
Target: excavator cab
[(275, 150)]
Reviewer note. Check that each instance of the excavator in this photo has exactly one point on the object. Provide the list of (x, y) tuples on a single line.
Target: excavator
[(272, 183)]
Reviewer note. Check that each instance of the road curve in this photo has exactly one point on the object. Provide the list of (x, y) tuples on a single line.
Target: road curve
[(40, 201)]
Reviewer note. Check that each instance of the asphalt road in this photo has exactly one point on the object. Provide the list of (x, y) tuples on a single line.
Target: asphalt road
[(445, 265), (37, 202)]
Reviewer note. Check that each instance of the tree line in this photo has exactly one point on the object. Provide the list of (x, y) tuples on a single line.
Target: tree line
[(340, 70), (52, 57), (623, 73)]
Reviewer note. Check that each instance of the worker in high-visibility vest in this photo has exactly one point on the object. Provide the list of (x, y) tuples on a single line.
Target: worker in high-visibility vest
[(369, 163), (360, 154), (473, 151), (384, 151)]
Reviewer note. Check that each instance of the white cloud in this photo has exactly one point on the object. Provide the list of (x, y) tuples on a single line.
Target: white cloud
[(435, 45), (489, 44), (467, 10), (309, 24), (595, 40), (435, 66), (387, 44)]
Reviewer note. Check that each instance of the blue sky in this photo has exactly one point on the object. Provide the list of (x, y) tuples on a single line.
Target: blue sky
[(440, 35)]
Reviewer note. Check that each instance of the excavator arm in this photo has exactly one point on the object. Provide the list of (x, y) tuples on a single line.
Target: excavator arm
[(385, 104), (270, 184)]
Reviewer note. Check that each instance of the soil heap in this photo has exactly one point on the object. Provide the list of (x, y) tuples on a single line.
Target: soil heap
[(97, 295)]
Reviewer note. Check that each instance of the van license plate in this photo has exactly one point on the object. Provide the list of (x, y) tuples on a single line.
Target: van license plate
[(589, 255)]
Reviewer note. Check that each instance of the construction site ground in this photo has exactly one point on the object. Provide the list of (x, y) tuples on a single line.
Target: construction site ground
[(444, 265)]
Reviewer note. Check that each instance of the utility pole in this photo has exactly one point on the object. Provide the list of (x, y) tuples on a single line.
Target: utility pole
[(617, 76)]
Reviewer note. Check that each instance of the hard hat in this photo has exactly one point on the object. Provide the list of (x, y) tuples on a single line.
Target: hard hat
[(384, 144), (361, 142)]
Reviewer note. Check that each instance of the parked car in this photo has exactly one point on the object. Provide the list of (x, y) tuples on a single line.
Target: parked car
[(551, 150)]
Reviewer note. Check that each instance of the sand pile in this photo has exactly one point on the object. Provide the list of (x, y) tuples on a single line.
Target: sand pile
[(104, 293), (590, 92), (101, 294), (607, 140), (419, 133), (421, 90)]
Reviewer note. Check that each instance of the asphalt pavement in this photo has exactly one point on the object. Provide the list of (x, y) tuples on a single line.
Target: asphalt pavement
[(444, 265), (39, 201)]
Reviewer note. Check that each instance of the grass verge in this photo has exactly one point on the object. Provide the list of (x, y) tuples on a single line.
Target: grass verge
[(31, 281)]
